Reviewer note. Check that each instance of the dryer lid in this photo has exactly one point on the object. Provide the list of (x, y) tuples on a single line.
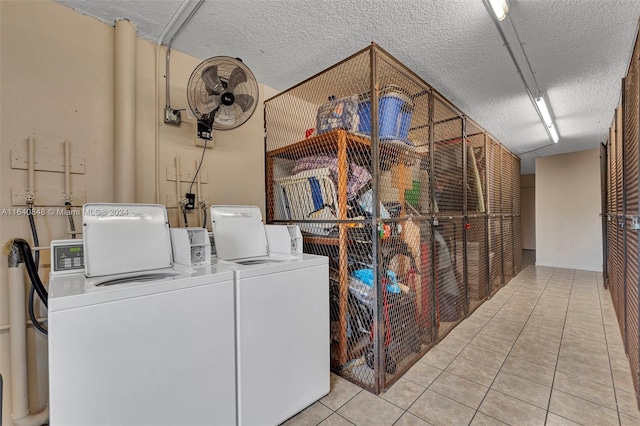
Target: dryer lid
[(238, 232)]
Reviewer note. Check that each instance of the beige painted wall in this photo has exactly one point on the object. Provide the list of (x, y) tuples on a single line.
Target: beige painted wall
[(568, 226), (528, 210), (56, 83)]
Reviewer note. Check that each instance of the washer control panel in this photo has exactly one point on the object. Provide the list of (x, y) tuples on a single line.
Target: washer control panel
[(67, 256)]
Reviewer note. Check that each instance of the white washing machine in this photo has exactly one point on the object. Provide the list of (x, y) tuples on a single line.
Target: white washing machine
[(282, 319), (149, 347)]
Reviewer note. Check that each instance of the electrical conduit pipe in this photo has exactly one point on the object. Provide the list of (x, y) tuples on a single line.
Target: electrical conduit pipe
[(163, 36), (18, 341), (125, 112), (31, 169)]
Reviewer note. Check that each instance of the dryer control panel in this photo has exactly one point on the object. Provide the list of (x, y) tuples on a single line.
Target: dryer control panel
[(67, 256)]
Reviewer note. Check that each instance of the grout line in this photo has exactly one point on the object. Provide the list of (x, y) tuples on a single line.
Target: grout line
[(322, 420), (528, 318), (523, 327), (581, 377), (531, 272), (604, 328), (584, 399), (342, 417), (348, 400), (456, 355), (566, 418), (560, 348), (538, 301)]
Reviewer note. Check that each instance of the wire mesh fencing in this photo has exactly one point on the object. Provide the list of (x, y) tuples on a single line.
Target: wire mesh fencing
[(394, 185), (477, 261)]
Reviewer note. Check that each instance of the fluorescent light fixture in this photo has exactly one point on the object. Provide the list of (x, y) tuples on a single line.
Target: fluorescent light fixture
[(546, 117), (544, 111), (500, 8), (554, 133)]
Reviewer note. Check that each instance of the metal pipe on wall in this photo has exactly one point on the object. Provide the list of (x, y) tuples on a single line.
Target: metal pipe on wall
[(168, 57), (199, 194), (18, 341), (67, 171), (18, 337), (178, 190), (163, 36), (125, 111), (31, 168), (157, 122)]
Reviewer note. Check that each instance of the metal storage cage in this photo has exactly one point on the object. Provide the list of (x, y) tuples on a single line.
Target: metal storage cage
[(390, 181), (621, 214), (477, 252), (517, 215), (494, 175), (507, 211)]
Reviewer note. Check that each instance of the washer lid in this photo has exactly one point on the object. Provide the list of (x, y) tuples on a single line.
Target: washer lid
[(275, 263), (124, 238), (238, 232), (75, 290)]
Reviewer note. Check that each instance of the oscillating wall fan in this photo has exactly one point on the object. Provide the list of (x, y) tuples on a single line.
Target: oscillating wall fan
[(222, 93)]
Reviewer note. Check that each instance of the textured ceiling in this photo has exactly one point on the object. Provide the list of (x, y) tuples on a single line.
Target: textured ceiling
[(578, 49)]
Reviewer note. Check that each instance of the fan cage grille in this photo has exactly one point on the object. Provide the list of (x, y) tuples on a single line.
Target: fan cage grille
[(218, 78)]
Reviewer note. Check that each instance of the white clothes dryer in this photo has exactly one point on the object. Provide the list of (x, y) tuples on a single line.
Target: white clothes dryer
[(282, 319)]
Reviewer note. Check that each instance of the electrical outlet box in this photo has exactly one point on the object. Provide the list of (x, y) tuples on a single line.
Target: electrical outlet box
[(172, 116), (191, 201)]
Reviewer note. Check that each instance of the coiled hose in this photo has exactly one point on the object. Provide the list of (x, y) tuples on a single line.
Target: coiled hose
[(32, 270), (36, 284), (36, 242), (72, 224), (204, 220)]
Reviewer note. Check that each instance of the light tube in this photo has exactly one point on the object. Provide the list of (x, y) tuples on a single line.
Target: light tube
[(500, 8), (544, 111), (554, 134)]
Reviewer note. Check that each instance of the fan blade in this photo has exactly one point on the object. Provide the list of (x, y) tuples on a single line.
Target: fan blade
[(207, 103), (211, 79), (237, 76), (244, 101), (225, 116), (212, 103)]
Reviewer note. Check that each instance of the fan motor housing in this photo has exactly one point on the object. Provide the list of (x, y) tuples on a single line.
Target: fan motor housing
[(227, 98)]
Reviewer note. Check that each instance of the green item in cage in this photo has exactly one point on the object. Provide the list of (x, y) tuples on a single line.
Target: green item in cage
[(412, 196)]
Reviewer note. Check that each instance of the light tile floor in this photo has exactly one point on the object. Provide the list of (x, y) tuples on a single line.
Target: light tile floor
[(546, 349)]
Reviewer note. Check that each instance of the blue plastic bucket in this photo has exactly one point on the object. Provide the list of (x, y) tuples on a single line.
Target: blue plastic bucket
[(394, 115)]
